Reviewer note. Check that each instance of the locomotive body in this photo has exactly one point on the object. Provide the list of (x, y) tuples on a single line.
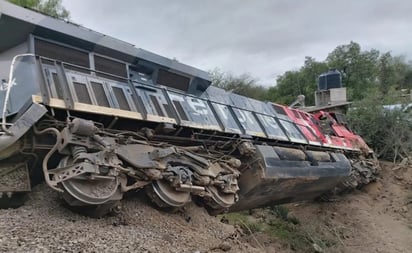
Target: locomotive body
[(95, 117)]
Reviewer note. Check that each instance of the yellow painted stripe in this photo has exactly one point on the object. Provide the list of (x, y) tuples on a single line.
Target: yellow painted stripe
[(81, 107)]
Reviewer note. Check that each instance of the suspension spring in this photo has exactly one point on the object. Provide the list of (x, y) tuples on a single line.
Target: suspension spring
[(77, 151)]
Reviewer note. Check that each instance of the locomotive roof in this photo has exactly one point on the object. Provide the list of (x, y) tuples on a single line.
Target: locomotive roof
[(18, 23)]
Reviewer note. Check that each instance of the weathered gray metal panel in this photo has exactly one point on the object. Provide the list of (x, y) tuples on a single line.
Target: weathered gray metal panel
[(216, 94), (239, 117), (292, 131), (194, 111), (154, 101), (7, 56), (264, 123), (227, 118), (22, 125), (14, 32), (248, 122), (272, 127)]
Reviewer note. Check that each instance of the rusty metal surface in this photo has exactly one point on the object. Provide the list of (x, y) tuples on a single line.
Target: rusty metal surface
[(98, 167)]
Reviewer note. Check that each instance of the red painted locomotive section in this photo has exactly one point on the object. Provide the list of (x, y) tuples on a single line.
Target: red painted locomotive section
[(326, 129)]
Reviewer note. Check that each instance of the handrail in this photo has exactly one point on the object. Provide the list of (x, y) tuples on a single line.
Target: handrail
[(10, 83)]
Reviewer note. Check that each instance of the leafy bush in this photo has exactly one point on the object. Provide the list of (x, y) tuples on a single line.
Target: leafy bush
[(387, 130)]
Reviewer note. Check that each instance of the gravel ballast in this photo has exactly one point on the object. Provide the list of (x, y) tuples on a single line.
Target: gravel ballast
[(44, 224)]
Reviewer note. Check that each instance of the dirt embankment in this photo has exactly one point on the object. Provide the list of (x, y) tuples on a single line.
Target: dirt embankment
[(375, 219)]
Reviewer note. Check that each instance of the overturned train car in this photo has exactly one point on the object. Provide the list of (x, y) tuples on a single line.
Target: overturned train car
[(95, 117)]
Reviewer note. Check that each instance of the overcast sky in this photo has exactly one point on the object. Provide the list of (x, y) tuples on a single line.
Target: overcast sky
[(264, 38)]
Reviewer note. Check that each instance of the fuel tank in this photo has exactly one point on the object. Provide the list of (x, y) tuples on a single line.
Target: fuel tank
[(276, 175)]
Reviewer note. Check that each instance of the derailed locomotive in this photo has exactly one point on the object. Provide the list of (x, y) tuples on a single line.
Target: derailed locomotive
[(96, 117)]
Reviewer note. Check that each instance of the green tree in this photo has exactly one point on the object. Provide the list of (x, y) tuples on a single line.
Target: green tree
[(293, 83), (53, 8), (402, 76), (244, 84), (407, 79), (287, 89), (386, 72), (393, 73), (359, 68)]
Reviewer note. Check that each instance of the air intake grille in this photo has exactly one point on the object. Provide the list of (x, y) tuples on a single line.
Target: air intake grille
[(157, 106), (121, 98), (100, 94), (180, 110), (82, 93), (61, 53), (173, 80)]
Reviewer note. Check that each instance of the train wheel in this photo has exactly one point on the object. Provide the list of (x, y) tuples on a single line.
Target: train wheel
[(92, 192), (93, 196), (165, 196), (219, 202)]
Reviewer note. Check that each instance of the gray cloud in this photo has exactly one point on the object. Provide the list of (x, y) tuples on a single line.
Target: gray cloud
[(262, 37)]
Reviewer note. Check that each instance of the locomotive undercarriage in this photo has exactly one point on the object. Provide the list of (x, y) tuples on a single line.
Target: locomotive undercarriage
[(92, 166)]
